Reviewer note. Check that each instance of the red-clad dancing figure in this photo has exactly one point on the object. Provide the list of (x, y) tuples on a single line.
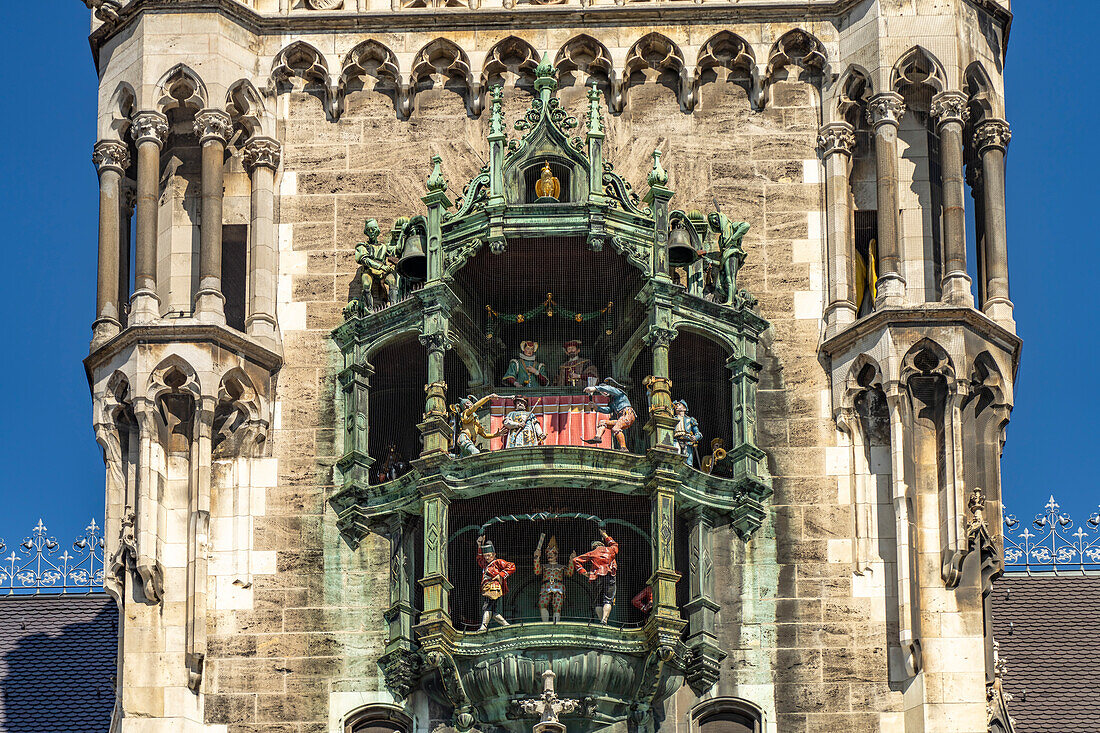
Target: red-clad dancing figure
[(494, 582)]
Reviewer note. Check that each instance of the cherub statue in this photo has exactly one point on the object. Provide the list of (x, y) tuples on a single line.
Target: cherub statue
[(552, 591), (731, 255), (376, 269), (494, 582), (467, 425)]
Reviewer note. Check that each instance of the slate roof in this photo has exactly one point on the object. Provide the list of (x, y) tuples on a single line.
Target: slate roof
[(57, 663), (1049, 631)]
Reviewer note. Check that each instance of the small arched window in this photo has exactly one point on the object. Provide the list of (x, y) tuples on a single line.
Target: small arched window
[(727, 715), (378, 719)]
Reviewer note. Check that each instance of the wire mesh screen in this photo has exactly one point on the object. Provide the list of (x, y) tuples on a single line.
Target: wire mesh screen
[(542, 532)]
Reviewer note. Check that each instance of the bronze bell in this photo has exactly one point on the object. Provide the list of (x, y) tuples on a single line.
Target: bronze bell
[(680, 251), (413, 264)]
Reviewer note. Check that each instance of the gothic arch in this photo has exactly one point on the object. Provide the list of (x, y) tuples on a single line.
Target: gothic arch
[(301, 67), (587, 55), (865, 373), (441, 64), (181, 88), (510, 55), (173, 374), (731, 52), (658, 52), (917, 76), (984, 101), (174, 392), (371, 60), (853, 91), (121, 108), (926, 357), (798, 48), (246, 107), (239, 422)]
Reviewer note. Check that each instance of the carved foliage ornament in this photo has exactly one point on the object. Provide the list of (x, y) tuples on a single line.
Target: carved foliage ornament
[(837, 137), (885, 109), (111, 155), (950, 107), (992, 134), (149, 127), (213, 124), (262, 151)]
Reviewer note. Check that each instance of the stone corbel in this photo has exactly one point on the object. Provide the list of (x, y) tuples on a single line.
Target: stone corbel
[(688, 87), (464, 719)]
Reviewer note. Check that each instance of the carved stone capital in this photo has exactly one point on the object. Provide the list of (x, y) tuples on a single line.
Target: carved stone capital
[(435, 341), (992, 134), (213, 125), (836, 137), (885, 109), (324, 4), (950, 106), (660, 338), (149, 127), (111, 155), (262, 152)]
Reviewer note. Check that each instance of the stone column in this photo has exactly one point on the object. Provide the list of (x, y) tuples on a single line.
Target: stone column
[(950, 111), (149, 130), (111, 158), (884, 112), (125, 215), (836, 142), (975, 180), (991, 140), (213, 128), (261, 157)]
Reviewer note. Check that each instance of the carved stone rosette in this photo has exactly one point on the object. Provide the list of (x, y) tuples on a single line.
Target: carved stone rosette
[(992, 134), (836, 137), (885, 109), (213, 124), (111, 154), (950, 106), (262, 152), (149, 127)]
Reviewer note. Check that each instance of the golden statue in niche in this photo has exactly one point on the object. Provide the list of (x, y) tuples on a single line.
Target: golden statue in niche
[(547, 186)]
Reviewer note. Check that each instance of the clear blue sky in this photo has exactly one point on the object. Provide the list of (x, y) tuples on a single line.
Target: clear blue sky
[(48, 204)]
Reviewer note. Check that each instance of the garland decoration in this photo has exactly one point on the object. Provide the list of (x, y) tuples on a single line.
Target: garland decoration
[(541, 516), (548, 308)]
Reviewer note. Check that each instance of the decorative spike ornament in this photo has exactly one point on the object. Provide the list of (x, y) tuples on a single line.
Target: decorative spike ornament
[(658, 176), (436, 182)]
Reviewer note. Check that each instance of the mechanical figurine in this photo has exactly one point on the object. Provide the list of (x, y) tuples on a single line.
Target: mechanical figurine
[(686, 434), (525, 370), (552, 590), (494, 582), (576, 371), (467, 426), (603, 572), (621, 414), (521, 427)]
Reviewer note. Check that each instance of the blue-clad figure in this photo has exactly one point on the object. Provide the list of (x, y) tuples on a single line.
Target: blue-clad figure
[(621, 414), (686, 433)]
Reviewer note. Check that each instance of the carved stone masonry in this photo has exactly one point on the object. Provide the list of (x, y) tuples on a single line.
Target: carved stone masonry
[(109, 154), (324, 4), (105, 10), (213, 124), (992, 134), (836, 137), (262, 152), (950, 106), (149, 127), (885, 109)]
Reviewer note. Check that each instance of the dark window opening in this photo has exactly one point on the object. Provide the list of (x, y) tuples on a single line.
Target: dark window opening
[(380, 719), (234, 273), (935, 182), (533, 173), (728, 715), (865, 268)]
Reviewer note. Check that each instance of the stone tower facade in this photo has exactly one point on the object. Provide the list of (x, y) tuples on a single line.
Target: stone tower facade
[(290, 509)]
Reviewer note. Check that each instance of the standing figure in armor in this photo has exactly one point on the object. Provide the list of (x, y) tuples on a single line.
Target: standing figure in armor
[(467, 425), (603, 572), (552, 591), (622, 415), (525, 370), (576, 371), (730, 253), (377, 269), (686, 433), (521, 428), (494, 582)]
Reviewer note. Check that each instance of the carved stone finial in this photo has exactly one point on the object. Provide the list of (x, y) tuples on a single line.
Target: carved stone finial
[(545, 69), (436, 181), (111, 155), (496, 110), (885, 109), (657, 176), (595, 118), (149, 127), (262, 152), (213, 125), (950, 106), (992, 134), (836, 137)]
